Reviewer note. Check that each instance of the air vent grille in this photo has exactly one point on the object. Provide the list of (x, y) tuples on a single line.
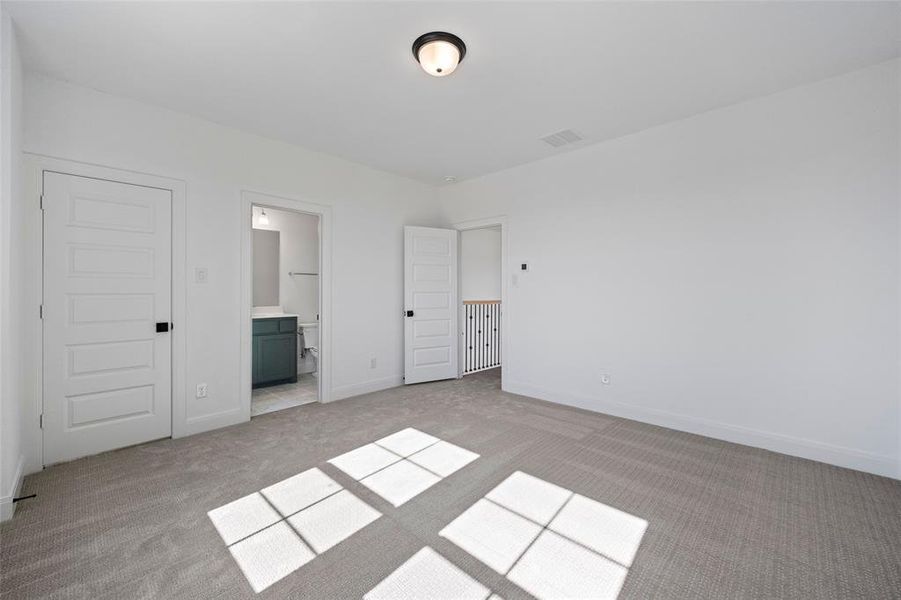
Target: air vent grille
[(562, 138)]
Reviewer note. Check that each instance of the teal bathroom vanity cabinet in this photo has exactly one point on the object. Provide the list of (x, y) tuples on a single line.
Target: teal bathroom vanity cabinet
[(274, 351)]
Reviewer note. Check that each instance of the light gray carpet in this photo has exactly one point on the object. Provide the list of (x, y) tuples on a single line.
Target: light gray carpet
[(725, 521)]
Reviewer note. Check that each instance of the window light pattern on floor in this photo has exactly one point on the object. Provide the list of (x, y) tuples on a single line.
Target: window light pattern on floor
[(429, 575), (274, 532), (402, 465), (549, 541)]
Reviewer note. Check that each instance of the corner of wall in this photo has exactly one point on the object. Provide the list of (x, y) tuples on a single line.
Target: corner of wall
[(12, 460), (7, 507)]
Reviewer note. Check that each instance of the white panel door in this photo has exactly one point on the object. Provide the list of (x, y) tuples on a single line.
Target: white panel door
[(430, 299), (107, 280)]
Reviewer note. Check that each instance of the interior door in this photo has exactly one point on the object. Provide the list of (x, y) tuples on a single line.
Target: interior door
[(430, 298), (107, 284)]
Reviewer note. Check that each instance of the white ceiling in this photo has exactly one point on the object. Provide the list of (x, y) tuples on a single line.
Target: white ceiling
[(340, 78)]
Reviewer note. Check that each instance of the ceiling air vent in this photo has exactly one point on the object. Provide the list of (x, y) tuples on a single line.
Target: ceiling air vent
[(562, 138)]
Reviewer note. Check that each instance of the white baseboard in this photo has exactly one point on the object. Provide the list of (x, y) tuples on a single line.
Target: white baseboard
[(234, 416), (374, 385), (7, 508), (194, 425), (850, 458)]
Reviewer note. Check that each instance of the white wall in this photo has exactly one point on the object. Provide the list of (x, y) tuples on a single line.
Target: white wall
[(480, 264), (12, 240), (736, 273), (298, 251), (369, 210)]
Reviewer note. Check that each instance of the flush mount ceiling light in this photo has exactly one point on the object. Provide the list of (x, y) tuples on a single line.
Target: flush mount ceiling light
[(439, 52)]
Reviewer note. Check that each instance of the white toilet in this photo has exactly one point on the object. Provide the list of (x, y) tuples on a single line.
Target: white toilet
[(309, 334)]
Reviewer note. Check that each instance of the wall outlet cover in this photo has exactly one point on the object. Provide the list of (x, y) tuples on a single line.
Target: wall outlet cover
[(201, 390)]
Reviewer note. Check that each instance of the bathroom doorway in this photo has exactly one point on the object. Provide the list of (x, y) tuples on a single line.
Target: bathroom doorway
[(481, 300), (285, 328)]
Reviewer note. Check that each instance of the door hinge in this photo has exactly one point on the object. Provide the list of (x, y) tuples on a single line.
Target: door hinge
[(41, 311), (41, 202), (41, 420)]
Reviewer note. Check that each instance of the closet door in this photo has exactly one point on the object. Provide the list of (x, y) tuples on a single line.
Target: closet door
[(106, 312)]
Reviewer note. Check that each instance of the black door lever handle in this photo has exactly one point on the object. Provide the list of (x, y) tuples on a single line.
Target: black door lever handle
[(162, 327)]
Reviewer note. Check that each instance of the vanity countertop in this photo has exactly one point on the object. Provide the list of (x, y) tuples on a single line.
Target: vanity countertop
[(275, 316)]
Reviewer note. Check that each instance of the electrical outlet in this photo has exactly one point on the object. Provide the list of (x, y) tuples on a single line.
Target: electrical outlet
[(605, 379), (200, 275), (372, 363), (201, 390)]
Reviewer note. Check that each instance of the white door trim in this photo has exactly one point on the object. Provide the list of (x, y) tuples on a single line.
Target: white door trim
[(35, 165), (249, 199), (506, 353)]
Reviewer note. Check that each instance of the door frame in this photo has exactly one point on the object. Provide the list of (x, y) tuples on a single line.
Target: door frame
[(498, 221), (35, 166), (249, 199)]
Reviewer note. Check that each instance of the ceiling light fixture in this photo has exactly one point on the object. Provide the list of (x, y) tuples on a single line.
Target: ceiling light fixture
[(264, 218), (439, 52)]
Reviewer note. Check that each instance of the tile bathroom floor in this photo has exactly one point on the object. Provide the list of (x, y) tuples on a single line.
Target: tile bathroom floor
[(287, 395)]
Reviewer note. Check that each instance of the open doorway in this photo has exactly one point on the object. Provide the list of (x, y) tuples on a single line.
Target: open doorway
[(481, 295), (286, 294)]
